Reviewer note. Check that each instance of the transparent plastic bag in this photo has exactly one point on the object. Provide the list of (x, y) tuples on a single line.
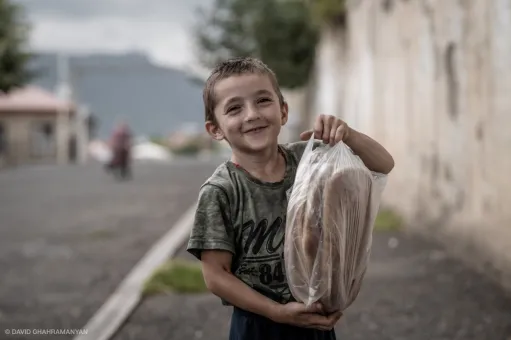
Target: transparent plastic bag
[(330, 217)]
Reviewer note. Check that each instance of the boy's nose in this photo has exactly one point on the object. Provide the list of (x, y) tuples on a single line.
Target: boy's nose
[(252, 113)]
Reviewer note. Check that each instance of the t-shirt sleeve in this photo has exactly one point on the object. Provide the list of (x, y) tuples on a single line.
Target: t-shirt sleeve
[(212, 228)]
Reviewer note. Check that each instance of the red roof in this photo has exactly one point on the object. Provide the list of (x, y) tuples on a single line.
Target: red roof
[(32, 99)]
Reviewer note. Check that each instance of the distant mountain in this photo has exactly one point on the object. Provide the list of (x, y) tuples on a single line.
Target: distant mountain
[(154, 100)]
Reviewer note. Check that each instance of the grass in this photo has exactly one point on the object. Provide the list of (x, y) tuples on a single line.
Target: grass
[(388, 220), (101, 234), (177, 276)]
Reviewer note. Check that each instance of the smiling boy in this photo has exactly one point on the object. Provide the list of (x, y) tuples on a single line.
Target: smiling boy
[(239, 227)]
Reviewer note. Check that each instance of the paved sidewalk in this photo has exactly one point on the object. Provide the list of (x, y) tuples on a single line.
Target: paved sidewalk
[(411, 292)]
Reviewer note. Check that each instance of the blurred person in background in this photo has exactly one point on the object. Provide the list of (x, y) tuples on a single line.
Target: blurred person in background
[(120, 144)]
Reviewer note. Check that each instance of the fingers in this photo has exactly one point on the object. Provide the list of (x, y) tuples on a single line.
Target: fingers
[(334, 317), (318, 127), (314, 308), (328, 122), (324, 323), (306, 135), (327, 128), (340, 133), (333, 132), (319, 321), (312, 317)]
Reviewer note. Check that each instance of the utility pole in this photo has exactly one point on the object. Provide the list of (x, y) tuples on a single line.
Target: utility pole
[(65, 91)]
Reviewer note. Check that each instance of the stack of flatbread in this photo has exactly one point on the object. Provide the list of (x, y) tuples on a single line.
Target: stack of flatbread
[(330, 218)]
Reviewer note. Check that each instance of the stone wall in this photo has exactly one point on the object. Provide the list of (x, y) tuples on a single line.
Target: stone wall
[(431, 80)]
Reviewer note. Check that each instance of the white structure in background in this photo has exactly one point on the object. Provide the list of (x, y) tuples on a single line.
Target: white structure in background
[(151, 152), (99, 151), (143, 150), (147, 151)]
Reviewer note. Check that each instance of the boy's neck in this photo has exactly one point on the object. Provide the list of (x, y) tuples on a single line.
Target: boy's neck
[(268, 165)]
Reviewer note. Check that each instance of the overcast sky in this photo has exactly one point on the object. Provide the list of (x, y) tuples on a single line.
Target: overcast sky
[(161, 28)]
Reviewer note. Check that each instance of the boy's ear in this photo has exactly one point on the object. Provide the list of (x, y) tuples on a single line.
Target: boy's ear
[(284, 111), (214, 131)]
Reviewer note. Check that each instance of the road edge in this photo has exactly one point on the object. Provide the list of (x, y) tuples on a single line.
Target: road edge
[(112, 314)]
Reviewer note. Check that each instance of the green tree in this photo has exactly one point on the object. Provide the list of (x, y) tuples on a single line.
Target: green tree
[(278, 32), (14, 57), (328, 11)]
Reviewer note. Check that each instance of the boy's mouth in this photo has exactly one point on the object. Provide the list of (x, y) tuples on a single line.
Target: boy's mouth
[(256, 129)]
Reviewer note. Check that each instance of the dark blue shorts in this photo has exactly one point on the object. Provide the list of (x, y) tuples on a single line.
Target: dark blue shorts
[(249, 326)]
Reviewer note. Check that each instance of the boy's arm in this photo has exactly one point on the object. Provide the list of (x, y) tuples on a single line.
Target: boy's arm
[(212, 241), (332, 130), (374, 156), (221, 282)]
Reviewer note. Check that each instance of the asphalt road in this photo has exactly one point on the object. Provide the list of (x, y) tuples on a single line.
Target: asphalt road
[(69, 235)]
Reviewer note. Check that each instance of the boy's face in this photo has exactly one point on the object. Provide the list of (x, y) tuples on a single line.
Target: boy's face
[(248, 113)]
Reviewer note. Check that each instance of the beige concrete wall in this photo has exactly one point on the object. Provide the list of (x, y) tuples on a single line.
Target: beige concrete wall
[(16, 135), (296, 103), (431, 80), (19, 128)]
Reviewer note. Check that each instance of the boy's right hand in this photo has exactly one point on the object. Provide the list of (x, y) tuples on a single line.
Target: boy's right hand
[(297, 314)]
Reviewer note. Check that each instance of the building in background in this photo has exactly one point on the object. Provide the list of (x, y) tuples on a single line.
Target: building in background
[(36, 127)]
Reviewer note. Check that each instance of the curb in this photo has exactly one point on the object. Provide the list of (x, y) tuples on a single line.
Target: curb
[(111, 315)]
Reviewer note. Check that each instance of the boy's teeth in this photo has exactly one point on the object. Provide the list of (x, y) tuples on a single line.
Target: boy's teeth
[(256, 129)]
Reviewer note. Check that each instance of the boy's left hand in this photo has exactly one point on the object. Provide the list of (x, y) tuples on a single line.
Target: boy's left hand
[(330, 129)]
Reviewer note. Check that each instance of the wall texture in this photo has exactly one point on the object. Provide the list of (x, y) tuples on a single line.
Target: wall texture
[(25, 147), (431, 80)]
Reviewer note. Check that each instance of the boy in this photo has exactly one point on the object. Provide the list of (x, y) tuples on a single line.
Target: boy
[(238, 232)]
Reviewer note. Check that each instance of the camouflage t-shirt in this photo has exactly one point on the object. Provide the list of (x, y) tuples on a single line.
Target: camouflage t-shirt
[(247, 217)]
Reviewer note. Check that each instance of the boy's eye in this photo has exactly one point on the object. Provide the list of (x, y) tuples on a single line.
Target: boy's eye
[(264, 100), (233, 109)]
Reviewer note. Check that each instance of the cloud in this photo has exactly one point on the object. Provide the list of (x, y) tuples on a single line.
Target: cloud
[(84, 9), (168, 43), (161, 28)]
